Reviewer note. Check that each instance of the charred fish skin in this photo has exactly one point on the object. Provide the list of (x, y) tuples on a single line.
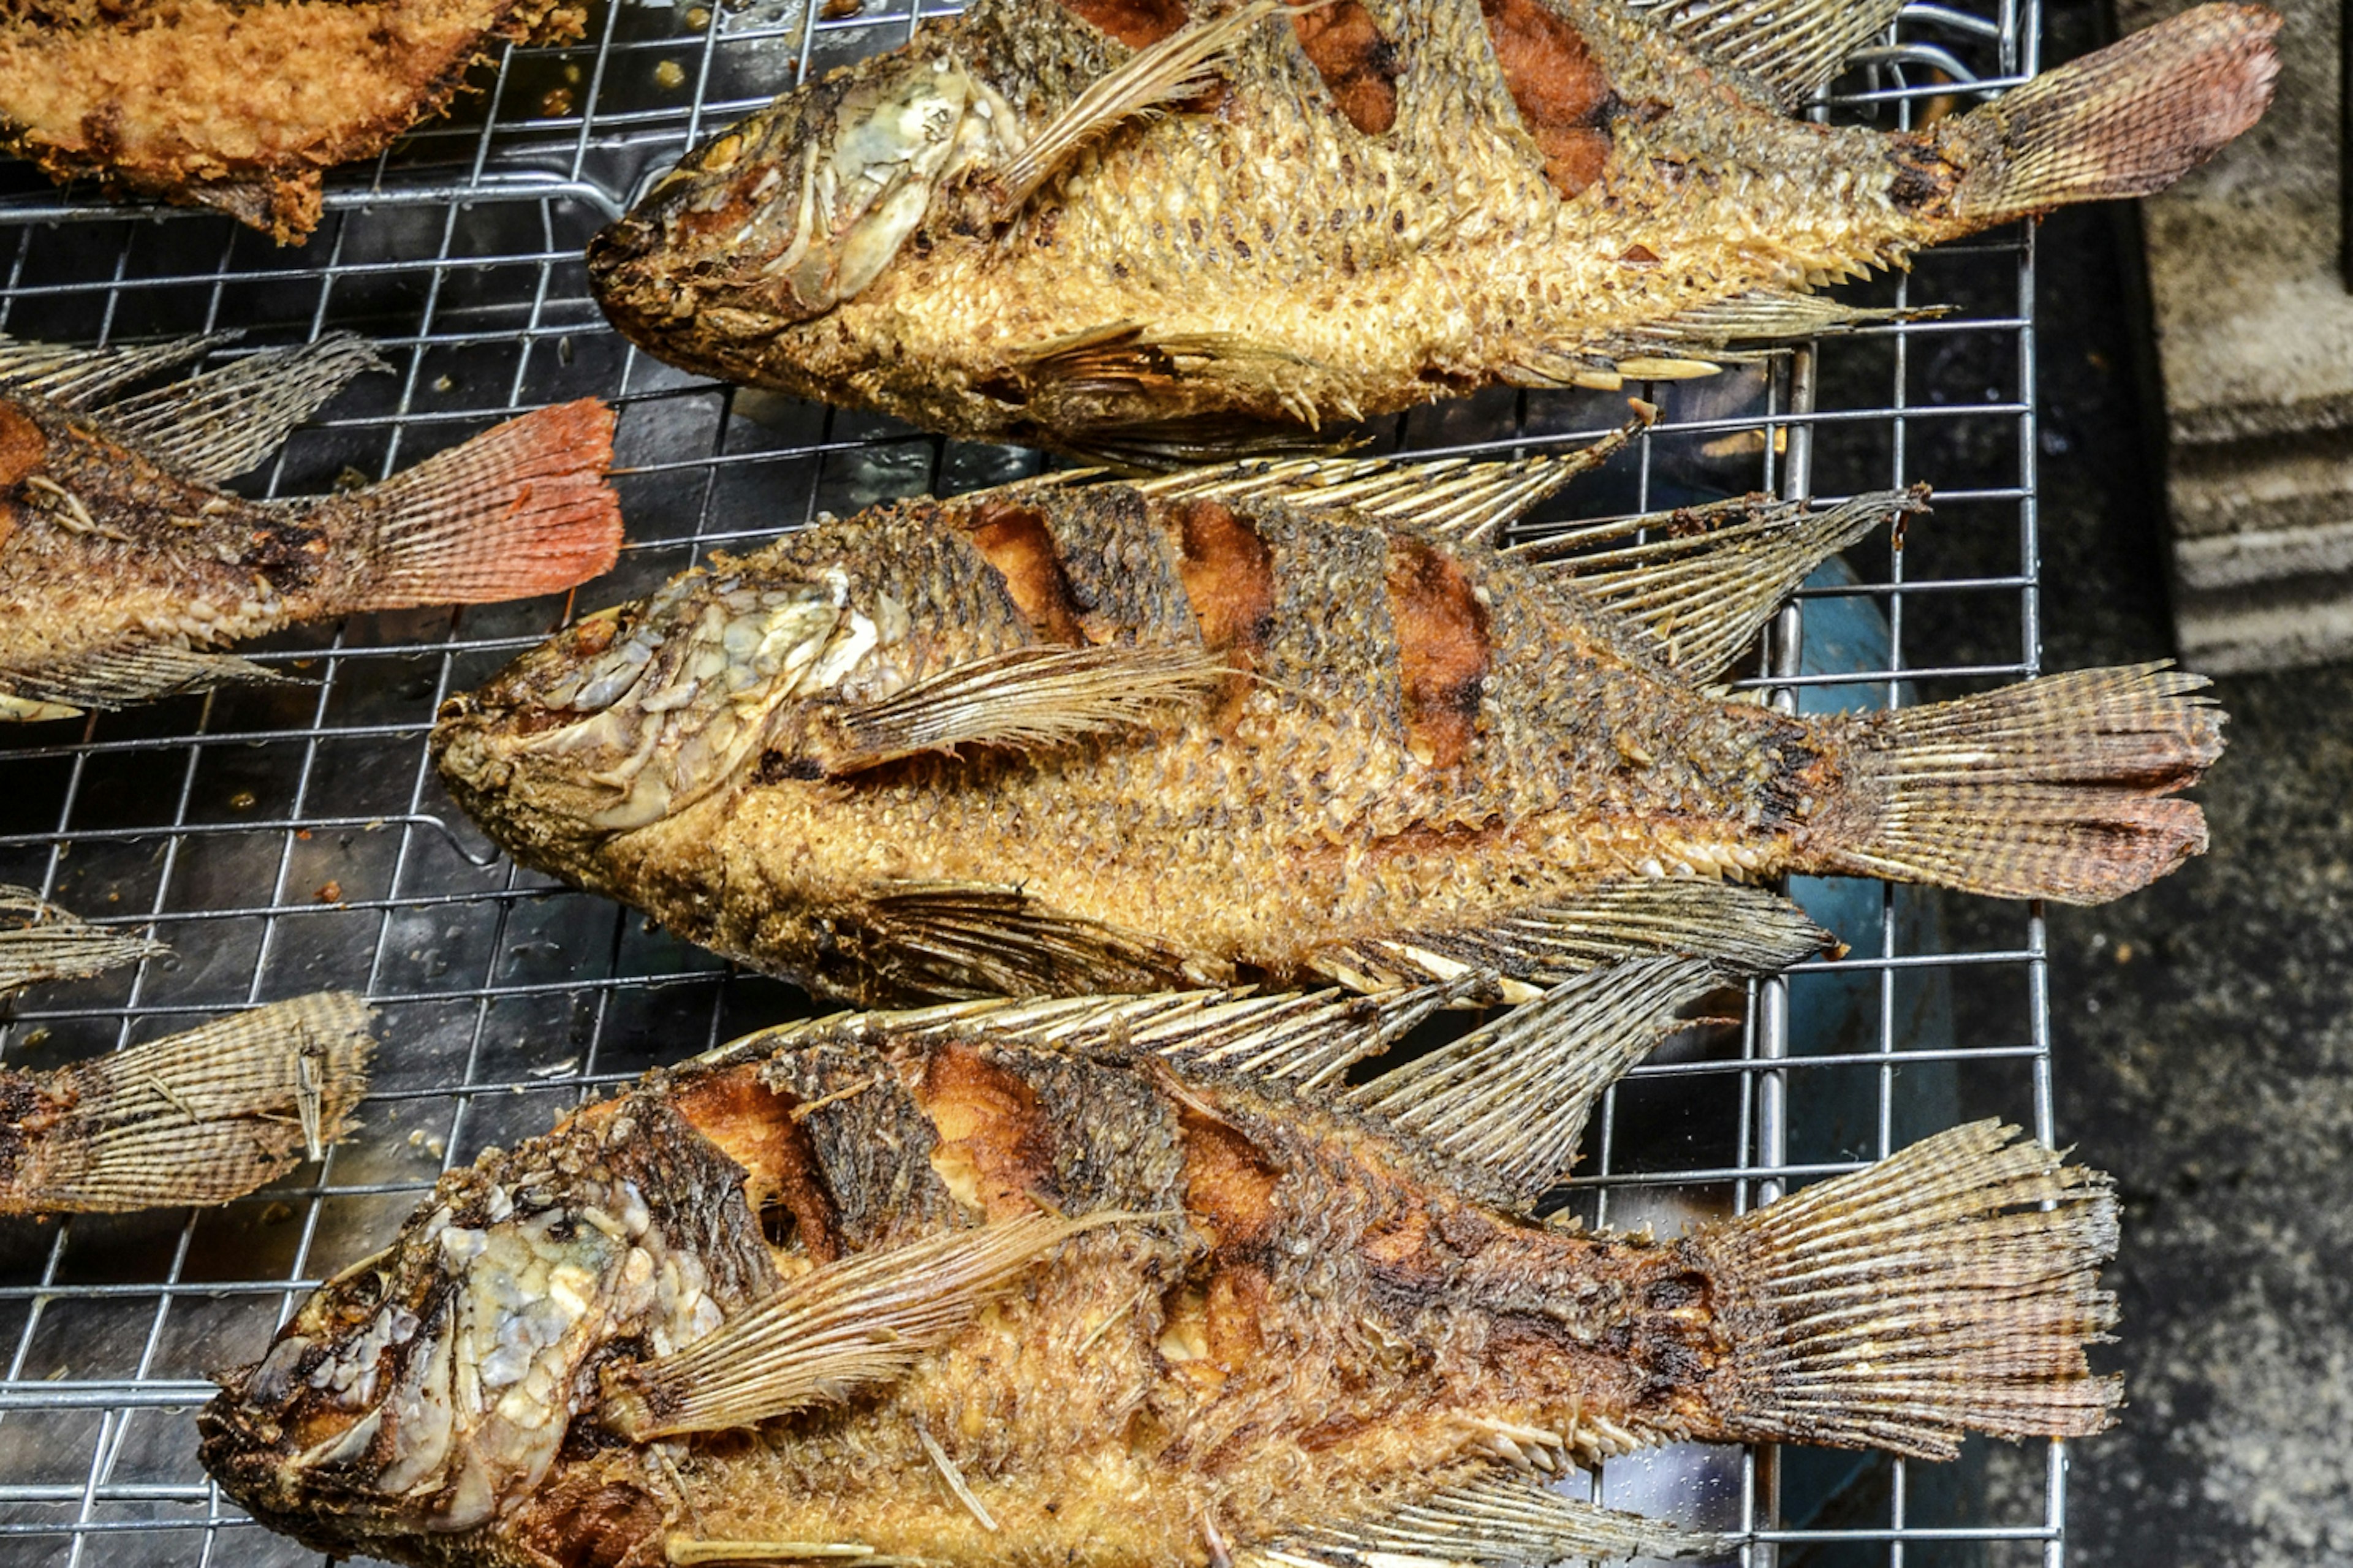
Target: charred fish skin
[(1293, 723), (1110, 1282), (123, 562), (1386, 202)]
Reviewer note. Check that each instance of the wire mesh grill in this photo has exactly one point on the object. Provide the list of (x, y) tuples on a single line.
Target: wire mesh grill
[(290, 839)]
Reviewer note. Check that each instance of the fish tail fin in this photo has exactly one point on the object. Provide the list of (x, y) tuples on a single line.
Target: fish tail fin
[(2125, 121), (200, 1117), (2049, 789), (522, 508), (1946, 1289)]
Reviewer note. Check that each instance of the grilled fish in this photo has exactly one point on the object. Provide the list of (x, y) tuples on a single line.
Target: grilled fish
[(1275, 723), (1045, 223), (1134, 1281), (123, 560), (237, 106), (199, 1118)]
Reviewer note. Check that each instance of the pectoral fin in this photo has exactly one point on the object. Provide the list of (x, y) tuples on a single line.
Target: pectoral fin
[(1177, 68), (1708, 578), (118, 676), (1030, 698), (223, 421), (839, 1328)]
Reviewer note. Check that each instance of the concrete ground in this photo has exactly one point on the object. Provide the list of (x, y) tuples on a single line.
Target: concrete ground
[(2203, 1029)]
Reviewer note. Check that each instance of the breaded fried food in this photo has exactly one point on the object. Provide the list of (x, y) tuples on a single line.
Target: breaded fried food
[(239, 106)]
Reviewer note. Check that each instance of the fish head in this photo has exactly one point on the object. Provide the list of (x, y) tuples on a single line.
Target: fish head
[(438, 1386), (637, 713), (782, 217)]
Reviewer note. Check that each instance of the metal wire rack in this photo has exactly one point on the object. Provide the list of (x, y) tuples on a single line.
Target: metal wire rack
[(290, 839)]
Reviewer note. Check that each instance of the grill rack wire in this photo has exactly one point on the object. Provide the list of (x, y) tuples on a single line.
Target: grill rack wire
[(286, 840)]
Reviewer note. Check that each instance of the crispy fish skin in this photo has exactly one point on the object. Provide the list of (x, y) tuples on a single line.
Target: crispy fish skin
[(1039, 1292), (1566, 194), (122, 560), (1065, 738), (240, 106)]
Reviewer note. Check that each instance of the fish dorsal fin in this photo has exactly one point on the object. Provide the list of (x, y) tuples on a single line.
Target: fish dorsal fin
[(1708, 578), (985, 939), (1748, 930), (39, 941), (223, 421), (1500, 1518), (117, 677), (202, 1117), (75, 377), (838, 1328), (1178, 67), (1029, 698), (1453, 496), (1512, 1097), (1793, 47)]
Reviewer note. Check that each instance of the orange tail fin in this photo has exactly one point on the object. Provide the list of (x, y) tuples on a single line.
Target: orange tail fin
[(2052, 789), (2125, 121), (519, 509)]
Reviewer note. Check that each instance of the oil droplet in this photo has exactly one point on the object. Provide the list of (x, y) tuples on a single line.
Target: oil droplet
[(444, 383), (557, 104), (243, 800), (669, 73), (698, 18)]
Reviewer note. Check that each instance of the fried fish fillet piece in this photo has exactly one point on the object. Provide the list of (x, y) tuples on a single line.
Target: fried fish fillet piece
[(240, 106), (1123, 1282)]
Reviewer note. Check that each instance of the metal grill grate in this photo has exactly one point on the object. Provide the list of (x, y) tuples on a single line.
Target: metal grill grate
[(286, 840)]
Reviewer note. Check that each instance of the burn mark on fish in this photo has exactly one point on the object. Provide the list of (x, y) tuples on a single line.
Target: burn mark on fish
[(1920, 181), (1444, 650), (1228, 577), (1564, 97), (1138, 24), (995, 1150), (23, 447), (753, 1125), (1015, 540), (1228, 1181), (1359, 67), (585, 1522)]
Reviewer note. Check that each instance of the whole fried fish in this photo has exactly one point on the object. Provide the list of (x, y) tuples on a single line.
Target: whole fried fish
[(123, 560), (1275, 723), (1132, 1281), (239, 106), (1031, 224)]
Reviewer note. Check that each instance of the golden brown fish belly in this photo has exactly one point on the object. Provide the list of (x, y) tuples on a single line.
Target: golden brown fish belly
[(1061, 1289), (240, 107)]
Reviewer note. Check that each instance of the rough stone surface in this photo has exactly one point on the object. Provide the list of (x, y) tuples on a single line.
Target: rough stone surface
[(2203, 1029), (2255, 328)]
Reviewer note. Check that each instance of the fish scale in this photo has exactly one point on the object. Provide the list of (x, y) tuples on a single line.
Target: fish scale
[(1052, 1294)]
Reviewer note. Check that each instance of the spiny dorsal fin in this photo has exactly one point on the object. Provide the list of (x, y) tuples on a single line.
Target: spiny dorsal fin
[(75, 377), (838, 1328), (1792, 46), (1748, 930), (1511, 1099), (1708, 578), (1501, 1518), (118, 676), (223, 421), (199, 1118), (1455, 497), (1030, 698), (39, 941)]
